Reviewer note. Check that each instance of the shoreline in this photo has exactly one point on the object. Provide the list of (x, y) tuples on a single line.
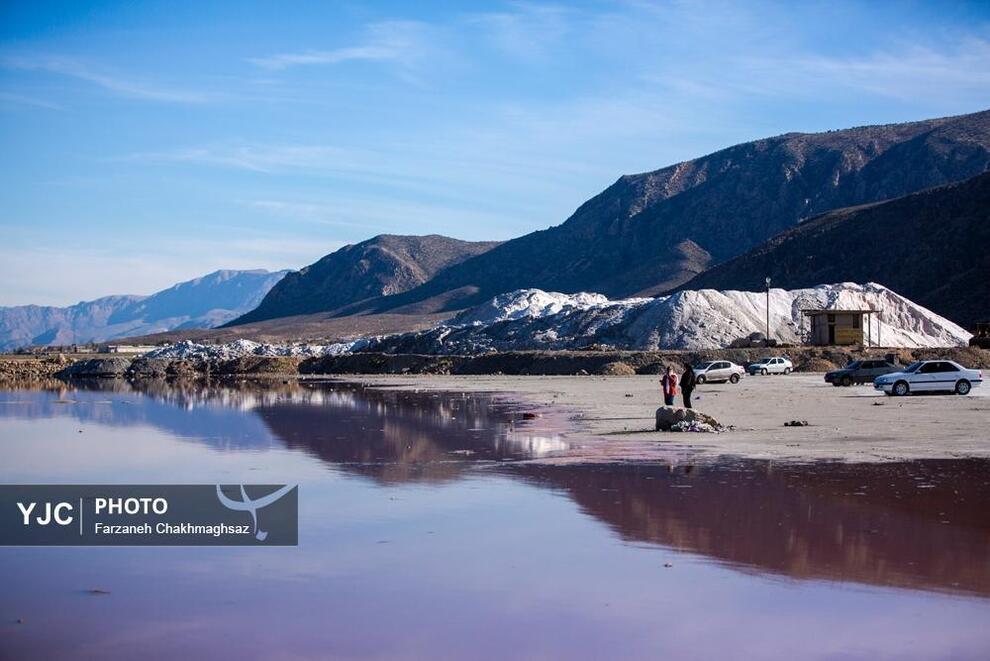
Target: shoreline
[(611, 418)]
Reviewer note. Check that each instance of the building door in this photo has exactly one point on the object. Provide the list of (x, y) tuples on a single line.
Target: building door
[(831, 333)]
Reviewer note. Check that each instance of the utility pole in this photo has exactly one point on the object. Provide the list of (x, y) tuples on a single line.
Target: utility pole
[(768, 311)]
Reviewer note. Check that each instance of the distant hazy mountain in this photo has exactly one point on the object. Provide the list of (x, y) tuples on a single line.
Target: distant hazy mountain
[(931, 247), (648, 233), (381, 266), (201, 303)]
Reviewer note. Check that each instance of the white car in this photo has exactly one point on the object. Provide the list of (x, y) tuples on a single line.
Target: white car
[(772, 365), (930, 376), (718, 370)]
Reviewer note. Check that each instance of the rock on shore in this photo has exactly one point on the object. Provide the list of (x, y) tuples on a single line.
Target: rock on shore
[(669, 417)]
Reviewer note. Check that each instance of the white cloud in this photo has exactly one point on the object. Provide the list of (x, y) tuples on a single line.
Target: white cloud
[(261, 158), (406, 45), (28, 101), (119, 85), (286, 60), (906, 73), (528, 32)]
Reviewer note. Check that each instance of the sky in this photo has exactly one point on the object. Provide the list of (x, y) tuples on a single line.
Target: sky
[(146, 143)]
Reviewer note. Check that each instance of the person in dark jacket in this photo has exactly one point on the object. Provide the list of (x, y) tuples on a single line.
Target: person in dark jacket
[(687, 384)]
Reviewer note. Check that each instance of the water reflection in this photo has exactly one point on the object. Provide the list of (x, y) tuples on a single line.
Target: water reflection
[(388, 435), (920, 525)]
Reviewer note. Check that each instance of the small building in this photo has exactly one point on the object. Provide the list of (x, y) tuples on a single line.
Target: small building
[(137, 349), (839, 327)]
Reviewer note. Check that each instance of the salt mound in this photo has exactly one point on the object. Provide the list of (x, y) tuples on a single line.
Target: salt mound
[(526, 303), (189, 350), (704, 319), (532, 319)]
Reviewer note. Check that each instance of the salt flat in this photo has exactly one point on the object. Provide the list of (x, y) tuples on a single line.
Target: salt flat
[(612, 417)]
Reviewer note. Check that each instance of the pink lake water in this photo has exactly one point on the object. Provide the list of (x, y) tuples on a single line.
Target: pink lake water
[(426, 533)]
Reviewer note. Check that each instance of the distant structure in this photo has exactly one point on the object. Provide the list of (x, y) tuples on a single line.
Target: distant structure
[(981, 335), (127, 348), (841, 327)]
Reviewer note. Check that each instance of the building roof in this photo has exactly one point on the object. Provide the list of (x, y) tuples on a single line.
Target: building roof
[(816, 311)]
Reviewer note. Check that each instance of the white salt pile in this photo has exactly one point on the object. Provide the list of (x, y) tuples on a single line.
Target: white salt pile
[(189, 350), (528, 303), (704, 319), (532, 319)]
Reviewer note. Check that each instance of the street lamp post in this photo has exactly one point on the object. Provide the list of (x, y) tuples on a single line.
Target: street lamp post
[(768, 311)]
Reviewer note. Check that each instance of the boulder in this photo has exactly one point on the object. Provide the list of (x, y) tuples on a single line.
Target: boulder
[(668, 416)]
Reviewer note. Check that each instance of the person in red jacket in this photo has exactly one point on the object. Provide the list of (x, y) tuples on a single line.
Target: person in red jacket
[(669, 386)]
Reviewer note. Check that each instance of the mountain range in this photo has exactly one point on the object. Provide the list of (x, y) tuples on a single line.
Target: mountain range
[(872, 203), (381, 266), (650, 233), (200, 303), (930, 247)]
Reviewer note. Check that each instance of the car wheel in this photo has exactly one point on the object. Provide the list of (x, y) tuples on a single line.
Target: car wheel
[(787, 370), (846, 381), (901, 388), (763, 371), (701, 379), (734, 378), (962, 387)]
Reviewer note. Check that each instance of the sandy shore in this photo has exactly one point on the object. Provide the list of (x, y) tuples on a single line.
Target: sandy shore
[(611, 418)]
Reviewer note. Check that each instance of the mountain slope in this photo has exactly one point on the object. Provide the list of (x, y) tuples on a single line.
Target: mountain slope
[(381, 266), (651, 232), (201, 303), (930, 247)]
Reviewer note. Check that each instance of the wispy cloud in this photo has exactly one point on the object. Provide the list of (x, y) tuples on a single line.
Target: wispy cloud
[(286, 60), (907, 72), (117, 84), (960, 74), (529, 31), (403, 44), (19, 99), (410, 49), (262, 158)]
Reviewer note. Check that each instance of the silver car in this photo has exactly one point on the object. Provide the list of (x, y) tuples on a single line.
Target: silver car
[(930, 376), (718, 371), (772, 365)]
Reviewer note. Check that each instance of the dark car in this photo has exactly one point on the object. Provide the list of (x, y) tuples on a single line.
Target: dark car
[(860, 371)]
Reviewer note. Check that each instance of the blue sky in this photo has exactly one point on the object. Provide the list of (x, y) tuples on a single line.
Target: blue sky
[(144, 143)]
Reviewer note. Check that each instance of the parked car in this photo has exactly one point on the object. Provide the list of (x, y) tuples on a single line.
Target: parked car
[(930, 376), (860, 371), (772, 365), (718, 371)]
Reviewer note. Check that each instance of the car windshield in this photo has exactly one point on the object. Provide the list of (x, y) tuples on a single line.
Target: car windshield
[(763, 360), (854, 364), (703, 366), (913, 367)]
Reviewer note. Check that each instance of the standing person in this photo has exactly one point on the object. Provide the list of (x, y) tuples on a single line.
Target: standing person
[(687, 384), (669, 386)]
